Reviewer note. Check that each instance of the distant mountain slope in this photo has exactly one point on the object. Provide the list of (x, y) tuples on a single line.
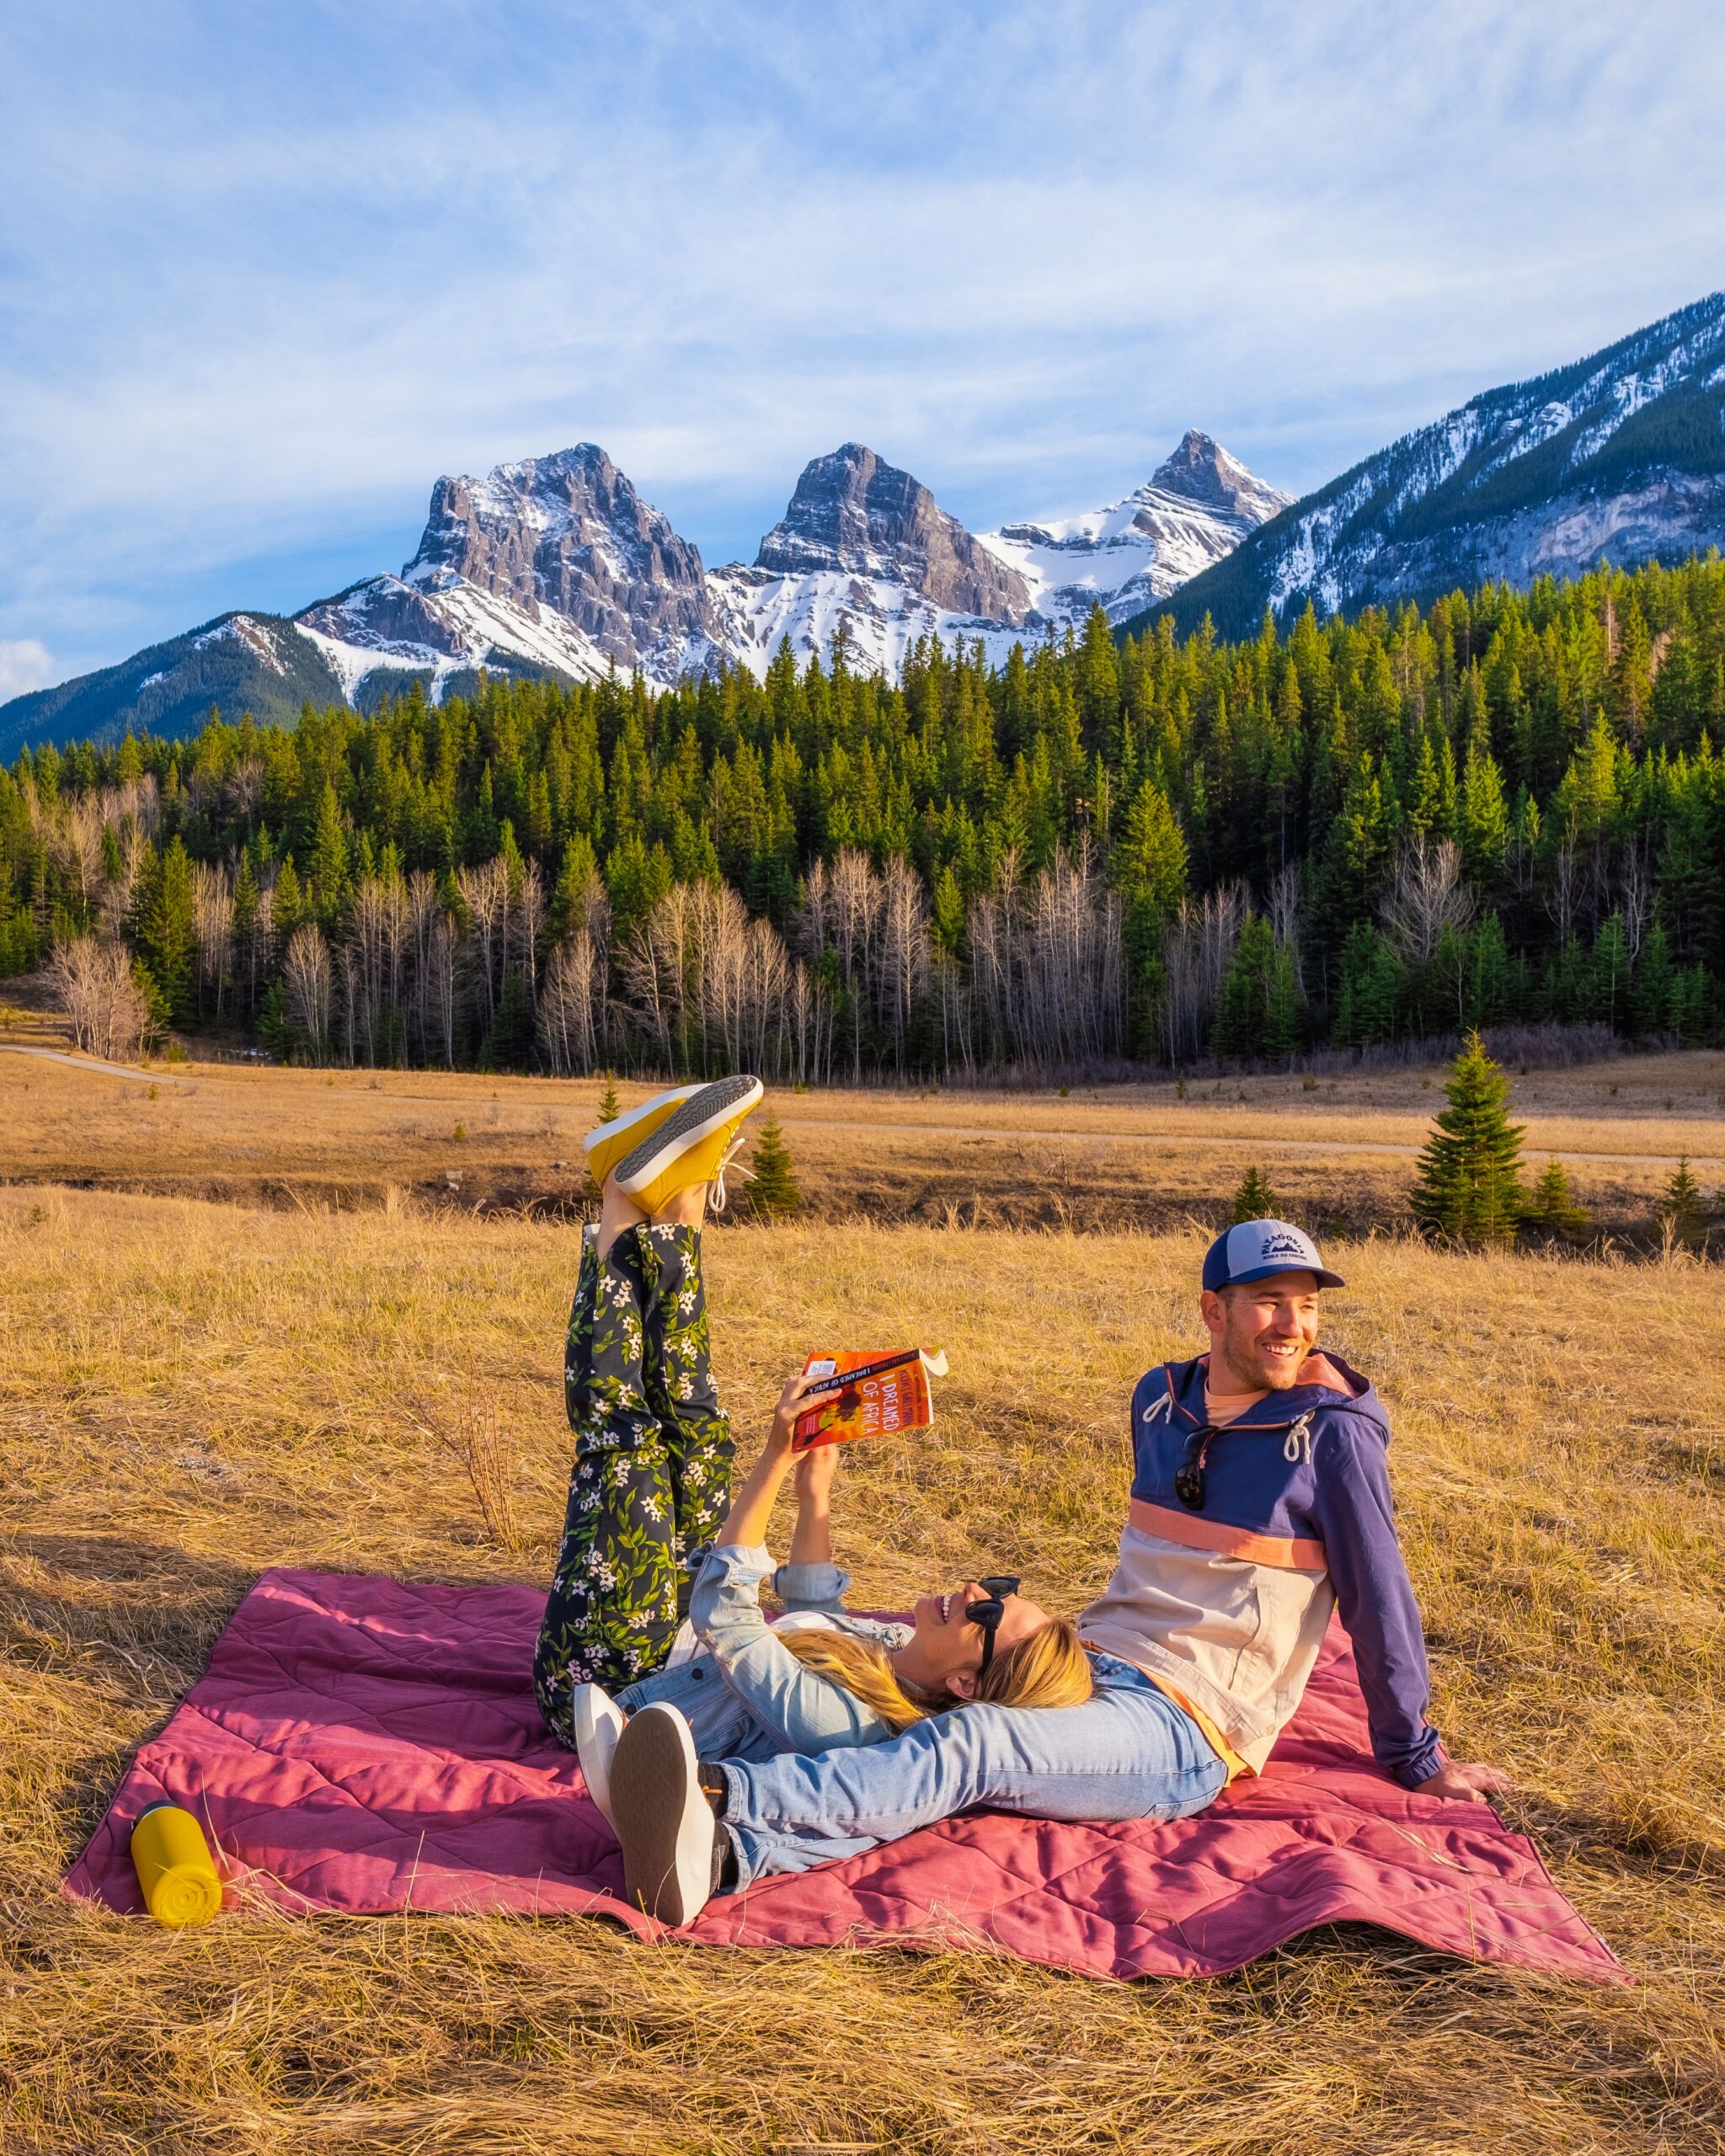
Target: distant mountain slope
[(1621, 456), (257, 663)]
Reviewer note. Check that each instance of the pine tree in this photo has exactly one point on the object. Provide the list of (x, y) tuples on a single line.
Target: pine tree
[(773, 1193), (1551, 1210), (331, 860), (609, 1110), (1469, 1190), (1680, 1212), (165, 933), (1255, 1200)]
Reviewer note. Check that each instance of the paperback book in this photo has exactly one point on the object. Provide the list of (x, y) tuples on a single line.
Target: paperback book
[(879, 1395)]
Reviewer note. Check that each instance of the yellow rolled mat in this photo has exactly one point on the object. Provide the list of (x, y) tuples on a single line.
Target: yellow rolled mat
[(175, 1867)]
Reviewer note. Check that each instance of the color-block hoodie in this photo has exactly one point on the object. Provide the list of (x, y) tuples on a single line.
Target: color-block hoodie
[(1226, 1607)]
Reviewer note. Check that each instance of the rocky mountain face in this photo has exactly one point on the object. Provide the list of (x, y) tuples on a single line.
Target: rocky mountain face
[(1620, 457), (865, 555), (554, 563), (853, 514)]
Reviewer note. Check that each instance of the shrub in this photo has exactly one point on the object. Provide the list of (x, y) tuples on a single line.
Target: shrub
[(1552, 1211), (1255, 1200)]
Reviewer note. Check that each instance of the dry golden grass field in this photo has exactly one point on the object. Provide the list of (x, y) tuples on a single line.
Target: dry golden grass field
[(191, 1391), (1338, 1150)]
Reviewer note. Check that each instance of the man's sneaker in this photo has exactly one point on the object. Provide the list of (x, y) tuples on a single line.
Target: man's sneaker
[(670, 1837), (691, 1145), (599, 1723), (607, 1144)]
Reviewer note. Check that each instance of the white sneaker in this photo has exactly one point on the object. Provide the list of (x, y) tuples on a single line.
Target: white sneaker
[(666, 1825), (599, 1723)]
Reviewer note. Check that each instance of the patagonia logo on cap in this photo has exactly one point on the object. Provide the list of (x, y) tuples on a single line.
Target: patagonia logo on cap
[(1253, 1250)]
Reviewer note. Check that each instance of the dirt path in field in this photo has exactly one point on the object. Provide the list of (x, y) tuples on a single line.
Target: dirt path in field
[(92, 1063)]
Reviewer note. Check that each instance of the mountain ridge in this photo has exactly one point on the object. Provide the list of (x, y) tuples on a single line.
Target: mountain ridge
[(556, 566), (1619, 456)]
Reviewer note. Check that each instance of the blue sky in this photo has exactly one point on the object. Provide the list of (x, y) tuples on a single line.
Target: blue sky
[(266, 271)]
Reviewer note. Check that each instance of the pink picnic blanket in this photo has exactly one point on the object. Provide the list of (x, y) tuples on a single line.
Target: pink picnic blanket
[(366, 1745)]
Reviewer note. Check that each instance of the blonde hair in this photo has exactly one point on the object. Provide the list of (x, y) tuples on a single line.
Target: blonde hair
[(859, 1667), (1049, 1669)]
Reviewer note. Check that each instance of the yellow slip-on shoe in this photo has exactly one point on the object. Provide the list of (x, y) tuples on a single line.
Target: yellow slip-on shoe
[(607, 1145), (691, 1146)]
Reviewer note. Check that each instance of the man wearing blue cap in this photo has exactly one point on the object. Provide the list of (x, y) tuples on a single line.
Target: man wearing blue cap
[(1260, 1503)]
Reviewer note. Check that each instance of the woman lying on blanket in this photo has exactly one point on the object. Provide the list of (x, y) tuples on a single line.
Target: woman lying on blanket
[(652, 1459)]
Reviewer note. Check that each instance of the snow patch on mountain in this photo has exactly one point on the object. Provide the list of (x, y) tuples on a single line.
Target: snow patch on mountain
[(441, 627), (244, 629), (875, 620)]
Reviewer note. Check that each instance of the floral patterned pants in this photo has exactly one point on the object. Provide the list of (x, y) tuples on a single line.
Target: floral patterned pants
[(651, 1475)]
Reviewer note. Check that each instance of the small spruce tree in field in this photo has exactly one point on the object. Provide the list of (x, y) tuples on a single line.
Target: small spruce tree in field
[(773, 1194), (608, 1110), (1469, 1188), (1255, 1200), (1680, 1209), (1551, 1210)]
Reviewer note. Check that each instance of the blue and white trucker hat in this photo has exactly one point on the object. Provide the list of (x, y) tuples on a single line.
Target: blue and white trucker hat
[(1255, 1249)]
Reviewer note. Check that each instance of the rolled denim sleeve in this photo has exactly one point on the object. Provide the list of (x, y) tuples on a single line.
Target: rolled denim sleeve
[(812, 1587), (800, 1710)]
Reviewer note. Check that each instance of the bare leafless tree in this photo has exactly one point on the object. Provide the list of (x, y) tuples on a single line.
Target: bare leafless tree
[(441, 984), (572, 1004), (92, 976), (1426, 896), (1197, 948), (213, 924), (1635, 896), (1048, 968), (306, 977)]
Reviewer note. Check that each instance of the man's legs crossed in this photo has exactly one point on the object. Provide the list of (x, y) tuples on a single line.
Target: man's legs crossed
[(1128, 1754)]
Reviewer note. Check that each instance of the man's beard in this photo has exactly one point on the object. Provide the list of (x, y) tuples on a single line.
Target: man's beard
[(1272, 1374)]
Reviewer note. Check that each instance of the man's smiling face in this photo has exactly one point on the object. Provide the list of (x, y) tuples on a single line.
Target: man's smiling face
[(1260, 1335)]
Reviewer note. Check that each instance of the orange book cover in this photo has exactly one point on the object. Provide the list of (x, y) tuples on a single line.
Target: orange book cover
[(880, 1394)]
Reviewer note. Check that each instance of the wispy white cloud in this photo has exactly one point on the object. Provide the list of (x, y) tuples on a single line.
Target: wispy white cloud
[(267, 273), (24, 665)]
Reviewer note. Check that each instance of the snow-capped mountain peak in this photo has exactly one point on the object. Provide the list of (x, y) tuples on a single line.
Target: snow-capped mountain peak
[(1196, 507)]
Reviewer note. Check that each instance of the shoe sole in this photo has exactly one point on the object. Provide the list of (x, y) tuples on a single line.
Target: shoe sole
[(599, 1723), (604, 1133), (698, 1118), (664, 1821)]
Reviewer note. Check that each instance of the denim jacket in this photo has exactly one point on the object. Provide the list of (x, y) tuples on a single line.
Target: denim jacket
[(746, 1695)]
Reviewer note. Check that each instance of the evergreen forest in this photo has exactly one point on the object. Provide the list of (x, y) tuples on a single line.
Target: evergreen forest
[(1508, 807)]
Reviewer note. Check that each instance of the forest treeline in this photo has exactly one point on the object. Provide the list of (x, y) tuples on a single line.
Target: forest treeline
[(1508, 806)]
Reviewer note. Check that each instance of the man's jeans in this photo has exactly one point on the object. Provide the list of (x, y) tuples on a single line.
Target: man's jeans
[(1127, 1754)]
